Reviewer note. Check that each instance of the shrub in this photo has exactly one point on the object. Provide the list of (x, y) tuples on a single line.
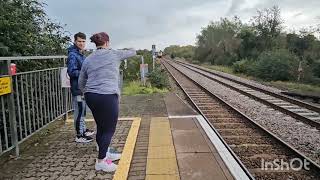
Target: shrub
[(158, 78), (316, 69), (276, 65), (135, 88), (225, 60), (244, 66)]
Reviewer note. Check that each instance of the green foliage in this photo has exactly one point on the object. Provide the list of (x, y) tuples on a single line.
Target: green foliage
[(276, 65), (316, 69), (229, 40), (218, 42), (25, 30), (180, 51), (244, 66), (297, 87), (133, 69), (267, 25), (248, 47), (133, 65), (135, 87), (159, 78), (225, 69), (260, 48), (299, 44)]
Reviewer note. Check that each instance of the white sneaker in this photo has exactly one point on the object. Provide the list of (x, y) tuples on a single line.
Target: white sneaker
[(113, 156), (106, 165), (110, 155), (83, 139), (89, 132)]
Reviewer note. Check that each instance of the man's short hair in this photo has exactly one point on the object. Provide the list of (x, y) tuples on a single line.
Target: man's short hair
[(80, 35)]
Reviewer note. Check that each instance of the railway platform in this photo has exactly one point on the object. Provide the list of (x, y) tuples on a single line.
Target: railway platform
[(170, 145)]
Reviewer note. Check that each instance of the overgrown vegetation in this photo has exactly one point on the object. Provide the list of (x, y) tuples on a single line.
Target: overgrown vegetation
[(260, 48), (180, 51), (157, 79), (284, 85), (132, 71), (136, 87), (26, 30)]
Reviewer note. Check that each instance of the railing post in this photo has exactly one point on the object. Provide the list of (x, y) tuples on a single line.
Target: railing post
[(12, 114), (121, 79), (66, 94)]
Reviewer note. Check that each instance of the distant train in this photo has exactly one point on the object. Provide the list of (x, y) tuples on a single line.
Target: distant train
[(159, 54)]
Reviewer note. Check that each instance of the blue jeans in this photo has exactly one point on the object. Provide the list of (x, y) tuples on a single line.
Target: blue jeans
[(79, 106)]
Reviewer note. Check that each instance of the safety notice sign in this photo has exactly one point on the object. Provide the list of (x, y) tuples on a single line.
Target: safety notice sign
[(5, 86)]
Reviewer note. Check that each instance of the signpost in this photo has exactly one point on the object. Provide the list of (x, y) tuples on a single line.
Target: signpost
[(5, 86), (65, 83), (65, 79), (143, 71), (153, 55)]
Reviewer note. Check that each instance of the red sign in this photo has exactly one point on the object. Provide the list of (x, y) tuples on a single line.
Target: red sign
[(13, 69)]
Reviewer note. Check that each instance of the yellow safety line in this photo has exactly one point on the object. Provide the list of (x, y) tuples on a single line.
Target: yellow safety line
[(126, 157), (92, 120), (161, 160)]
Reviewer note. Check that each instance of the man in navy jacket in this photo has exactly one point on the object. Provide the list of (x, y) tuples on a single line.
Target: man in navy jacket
[(75, 60)]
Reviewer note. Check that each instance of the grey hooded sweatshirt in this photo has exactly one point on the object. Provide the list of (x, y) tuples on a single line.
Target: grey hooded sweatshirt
[(100, 71)]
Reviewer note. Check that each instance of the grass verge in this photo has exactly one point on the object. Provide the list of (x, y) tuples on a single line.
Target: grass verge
[(135, 88), (283, 85)]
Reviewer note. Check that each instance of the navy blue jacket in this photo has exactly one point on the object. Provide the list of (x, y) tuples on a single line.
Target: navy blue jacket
[(74, 63)]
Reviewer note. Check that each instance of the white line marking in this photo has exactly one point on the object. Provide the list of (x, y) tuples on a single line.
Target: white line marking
[(186, 116), (226, 156)]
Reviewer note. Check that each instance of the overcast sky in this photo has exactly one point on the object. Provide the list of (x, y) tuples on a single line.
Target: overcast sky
[(140, 24)]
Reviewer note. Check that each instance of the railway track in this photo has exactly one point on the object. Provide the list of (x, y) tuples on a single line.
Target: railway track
[(297, 109), (251, 144)]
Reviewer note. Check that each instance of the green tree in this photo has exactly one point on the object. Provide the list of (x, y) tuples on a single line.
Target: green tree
[(26, 30), (180, 51), (133, 65), (248, 46), (276, 65), (268, 26), (218, 42)]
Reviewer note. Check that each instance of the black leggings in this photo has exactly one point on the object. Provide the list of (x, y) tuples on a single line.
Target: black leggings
[(105, 110)]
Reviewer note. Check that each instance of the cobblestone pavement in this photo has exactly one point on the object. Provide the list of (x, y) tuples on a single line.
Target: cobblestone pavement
[(53, 154), (57, 156)]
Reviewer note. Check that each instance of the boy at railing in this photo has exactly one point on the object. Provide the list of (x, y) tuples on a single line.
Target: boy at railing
[(74, 63)]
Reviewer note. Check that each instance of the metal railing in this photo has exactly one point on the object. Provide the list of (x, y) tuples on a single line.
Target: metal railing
[(37, 99)]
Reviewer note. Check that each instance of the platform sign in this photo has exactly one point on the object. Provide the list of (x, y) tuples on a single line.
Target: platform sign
[(143, 70), (154, 50), (65, 79), (5, 86)]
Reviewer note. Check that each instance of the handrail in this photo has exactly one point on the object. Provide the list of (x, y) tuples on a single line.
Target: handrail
[(17, 58)]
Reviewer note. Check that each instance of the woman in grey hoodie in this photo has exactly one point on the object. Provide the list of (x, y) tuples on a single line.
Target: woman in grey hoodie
[(98, 81)]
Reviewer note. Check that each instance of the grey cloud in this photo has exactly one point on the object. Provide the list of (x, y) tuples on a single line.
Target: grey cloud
[(235, 4), (147, 21), (298, 14)]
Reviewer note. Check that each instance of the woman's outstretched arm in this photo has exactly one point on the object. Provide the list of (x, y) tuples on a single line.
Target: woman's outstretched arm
[(124, 54)]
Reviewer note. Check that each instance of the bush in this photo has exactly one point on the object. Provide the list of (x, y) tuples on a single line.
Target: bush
[(225, 60), (132, 72), (244, 66), (135, 88), (158, 78), (316, 69), (279, 65)]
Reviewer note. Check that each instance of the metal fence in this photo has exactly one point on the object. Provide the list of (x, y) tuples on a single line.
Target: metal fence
[(36, 100)]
